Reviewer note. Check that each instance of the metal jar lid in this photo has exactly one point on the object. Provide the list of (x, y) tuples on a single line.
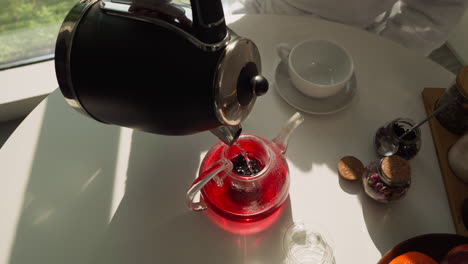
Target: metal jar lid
[(395, 170)]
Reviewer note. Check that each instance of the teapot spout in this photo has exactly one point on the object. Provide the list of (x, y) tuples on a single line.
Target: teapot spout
[(227, 134), (281, 140)]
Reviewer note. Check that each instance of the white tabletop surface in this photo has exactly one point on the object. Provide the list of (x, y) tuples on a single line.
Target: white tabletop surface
[(77, 191)]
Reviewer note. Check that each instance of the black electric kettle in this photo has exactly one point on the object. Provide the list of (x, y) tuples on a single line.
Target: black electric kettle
[(169, 69)]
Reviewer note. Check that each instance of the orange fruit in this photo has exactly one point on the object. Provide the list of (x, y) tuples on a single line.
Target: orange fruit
[(460, 248), (413, 257)]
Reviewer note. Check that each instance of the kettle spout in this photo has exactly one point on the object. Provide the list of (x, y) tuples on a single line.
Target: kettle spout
[(227, 134)]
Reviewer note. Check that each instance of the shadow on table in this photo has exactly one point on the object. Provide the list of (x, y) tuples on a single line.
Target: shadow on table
[(153, 225), (320, 140), (387, 223), (337, 135), (68, 196)]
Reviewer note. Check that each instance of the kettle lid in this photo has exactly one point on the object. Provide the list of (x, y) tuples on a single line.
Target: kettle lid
[(238, 81)]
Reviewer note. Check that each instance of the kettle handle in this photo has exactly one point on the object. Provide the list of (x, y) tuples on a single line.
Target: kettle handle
[(208, 20), (217, 171)]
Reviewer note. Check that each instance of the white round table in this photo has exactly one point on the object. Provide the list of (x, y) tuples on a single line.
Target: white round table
[(77, 191)]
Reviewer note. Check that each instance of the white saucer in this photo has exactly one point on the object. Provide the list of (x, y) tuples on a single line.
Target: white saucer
[(311, 105)]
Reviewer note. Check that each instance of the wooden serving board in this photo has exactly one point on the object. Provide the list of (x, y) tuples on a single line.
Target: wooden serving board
[(457, 190)]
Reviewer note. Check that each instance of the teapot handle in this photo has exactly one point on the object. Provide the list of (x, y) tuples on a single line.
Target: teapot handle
[(283, 50), (216, 171)]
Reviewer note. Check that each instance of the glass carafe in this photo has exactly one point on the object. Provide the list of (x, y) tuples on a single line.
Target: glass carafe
[(240, 192)]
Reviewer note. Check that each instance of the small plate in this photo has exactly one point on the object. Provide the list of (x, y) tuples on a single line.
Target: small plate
[(311, 105)]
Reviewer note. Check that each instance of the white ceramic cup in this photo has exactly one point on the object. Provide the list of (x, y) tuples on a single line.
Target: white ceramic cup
[(317, 68)]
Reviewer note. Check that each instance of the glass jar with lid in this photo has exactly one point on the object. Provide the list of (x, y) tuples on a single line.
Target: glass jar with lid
[(389, 141), (388, 179), (454, 115)]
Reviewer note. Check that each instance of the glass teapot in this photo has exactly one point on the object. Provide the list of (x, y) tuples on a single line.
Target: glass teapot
[(246, 181)]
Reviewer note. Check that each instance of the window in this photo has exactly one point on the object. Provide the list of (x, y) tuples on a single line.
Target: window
[(28, 29)]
